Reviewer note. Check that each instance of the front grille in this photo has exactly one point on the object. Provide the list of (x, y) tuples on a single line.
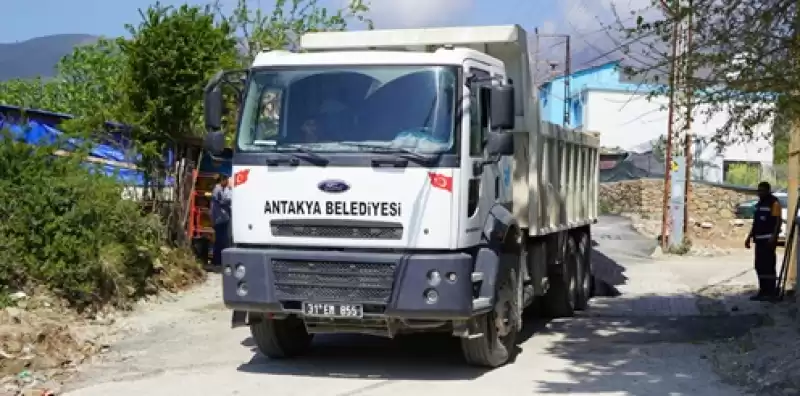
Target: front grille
[(341, 229), (333, 281)]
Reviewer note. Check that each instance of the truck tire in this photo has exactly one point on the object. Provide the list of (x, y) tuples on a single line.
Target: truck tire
[(280, 338), (497, 344), (585, 275), (561, 298)]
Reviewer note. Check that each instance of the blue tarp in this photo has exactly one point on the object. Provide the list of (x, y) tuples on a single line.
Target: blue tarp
[(39, 133)]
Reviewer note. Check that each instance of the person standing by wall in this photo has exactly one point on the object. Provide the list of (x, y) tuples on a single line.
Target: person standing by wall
[(764, 233), (221, 217)]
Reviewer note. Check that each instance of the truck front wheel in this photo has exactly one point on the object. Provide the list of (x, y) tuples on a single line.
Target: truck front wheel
[(495, 333), (280, 338)]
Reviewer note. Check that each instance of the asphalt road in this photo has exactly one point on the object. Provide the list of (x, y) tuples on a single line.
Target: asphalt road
[(187, 347)]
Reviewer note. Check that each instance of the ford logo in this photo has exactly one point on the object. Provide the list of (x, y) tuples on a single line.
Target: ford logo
[(333, 186)]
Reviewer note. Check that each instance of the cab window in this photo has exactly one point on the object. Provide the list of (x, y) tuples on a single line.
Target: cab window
[(477, 112)]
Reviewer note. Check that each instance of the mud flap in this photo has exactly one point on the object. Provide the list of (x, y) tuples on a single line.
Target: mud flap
[(487, 263), (238, 319)]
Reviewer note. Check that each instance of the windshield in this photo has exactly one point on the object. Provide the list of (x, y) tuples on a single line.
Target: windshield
[(350, 109)]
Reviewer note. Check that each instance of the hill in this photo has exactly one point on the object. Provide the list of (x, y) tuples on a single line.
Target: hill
[(37, 56)]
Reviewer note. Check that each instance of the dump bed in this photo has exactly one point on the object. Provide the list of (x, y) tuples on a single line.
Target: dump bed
[(555, 178)]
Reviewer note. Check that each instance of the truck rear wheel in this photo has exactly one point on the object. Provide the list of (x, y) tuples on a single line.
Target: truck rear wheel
[(561, 299), (497, 344), (280, 338)]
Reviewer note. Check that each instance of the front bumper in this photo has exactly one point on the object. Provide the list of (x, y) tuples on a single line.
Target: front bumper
[(387, 284)]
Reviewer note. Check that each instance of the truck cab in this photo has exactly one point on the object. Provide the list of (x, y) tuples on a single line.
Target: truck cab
[(372, 188)]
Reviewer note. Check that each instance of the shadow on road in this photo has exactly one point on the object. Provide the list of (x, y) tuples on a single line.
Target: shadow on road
[(411, 357), (605, 353), (609, 274), (639, 356)]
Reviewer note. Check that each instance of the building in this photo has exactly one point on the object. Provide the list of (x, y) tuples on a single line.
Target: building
[(603, 99)]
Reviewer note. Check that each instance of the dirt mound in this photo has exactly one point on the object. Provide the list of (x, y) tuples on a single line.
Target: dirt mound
[(42, 340), (766, 360), (38, 341), (41, 344)]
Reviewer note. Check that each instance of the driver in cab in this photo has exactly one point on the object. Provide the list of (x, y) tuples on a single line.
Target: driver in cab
[(308, 131)]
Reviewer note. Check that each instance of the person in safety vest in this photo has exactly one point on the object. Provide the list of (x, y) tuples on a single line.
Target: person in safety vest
[(764, 233)]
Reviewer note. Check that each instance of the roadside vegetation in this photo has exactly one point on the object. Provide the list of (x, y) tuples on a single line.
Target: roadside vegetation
[(68, 228), (72, 249)]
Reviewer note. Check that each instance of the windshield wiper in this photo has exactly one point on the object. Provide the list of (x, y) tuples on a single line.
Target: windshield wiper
[(399, 151), (310, 156)]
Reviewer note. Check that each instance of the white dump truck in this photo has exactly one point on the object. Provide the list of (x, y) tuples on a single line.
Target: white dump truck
[(395, 181)]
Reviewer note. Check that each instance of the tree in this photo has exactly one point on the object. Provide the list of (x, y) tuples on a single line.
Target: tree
[(34, 93), (169, 58), (287, 22), (171, 55), (87, 85), (90, 80), (743, 59)]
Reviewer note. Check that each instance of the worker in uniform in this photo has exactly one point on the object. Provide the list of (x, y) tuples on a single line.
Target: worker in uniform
[(221, 216), (764, 234)]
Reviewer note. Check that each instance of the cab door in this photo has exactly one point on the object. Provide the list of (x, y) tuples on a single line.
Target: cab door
[(483, 181)]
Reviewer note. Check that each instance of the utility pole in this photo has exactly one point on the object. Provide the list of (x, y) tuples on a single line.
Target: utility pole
[(675, 211), (567, 78), (668, 156), (688, 135), (792, 281)]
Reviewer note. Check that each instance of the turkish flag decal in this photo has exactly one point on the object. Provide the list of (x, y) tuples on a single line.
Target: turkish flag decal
[(441, 181), (241, 177)]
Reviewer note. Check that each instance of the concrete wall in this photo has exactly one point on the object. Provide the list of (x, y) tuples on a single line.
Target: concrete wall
[(708, 203)]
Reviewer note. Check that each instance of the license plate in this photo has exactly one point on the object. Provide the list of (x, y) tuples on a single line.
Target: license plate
[(327, 310)]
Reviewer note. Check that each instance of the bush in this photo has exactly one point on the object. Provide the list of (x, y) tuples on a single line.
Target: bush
[(67, 228)]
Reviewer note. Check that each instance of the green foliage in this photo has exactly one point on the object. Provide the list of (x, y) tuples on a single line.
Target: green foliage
[(68, 228), (172, 53), (744, 57), (87, 84), (683, 248), (288, 21), (604, 207), (743, 175), (90, 79), (34, 93)]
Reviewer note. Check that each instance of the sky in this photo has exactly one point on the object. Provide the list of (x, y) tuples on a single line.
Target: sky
[(583, 19)]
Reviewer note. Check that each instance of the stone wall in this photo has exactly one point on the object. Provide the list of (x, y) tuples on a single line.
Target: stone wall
[(645, 197)]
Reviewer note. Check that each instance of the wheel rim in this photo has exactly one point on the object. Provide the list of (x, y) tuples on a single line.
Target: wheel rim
[(586, 280), (502, 324), (573, 281)]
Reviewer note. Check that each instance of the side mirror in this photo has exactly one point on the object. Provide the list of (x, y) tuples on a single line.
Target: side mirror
[(499, 144), (503, 113), (212, 103), (214, 142), (213, 109)]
